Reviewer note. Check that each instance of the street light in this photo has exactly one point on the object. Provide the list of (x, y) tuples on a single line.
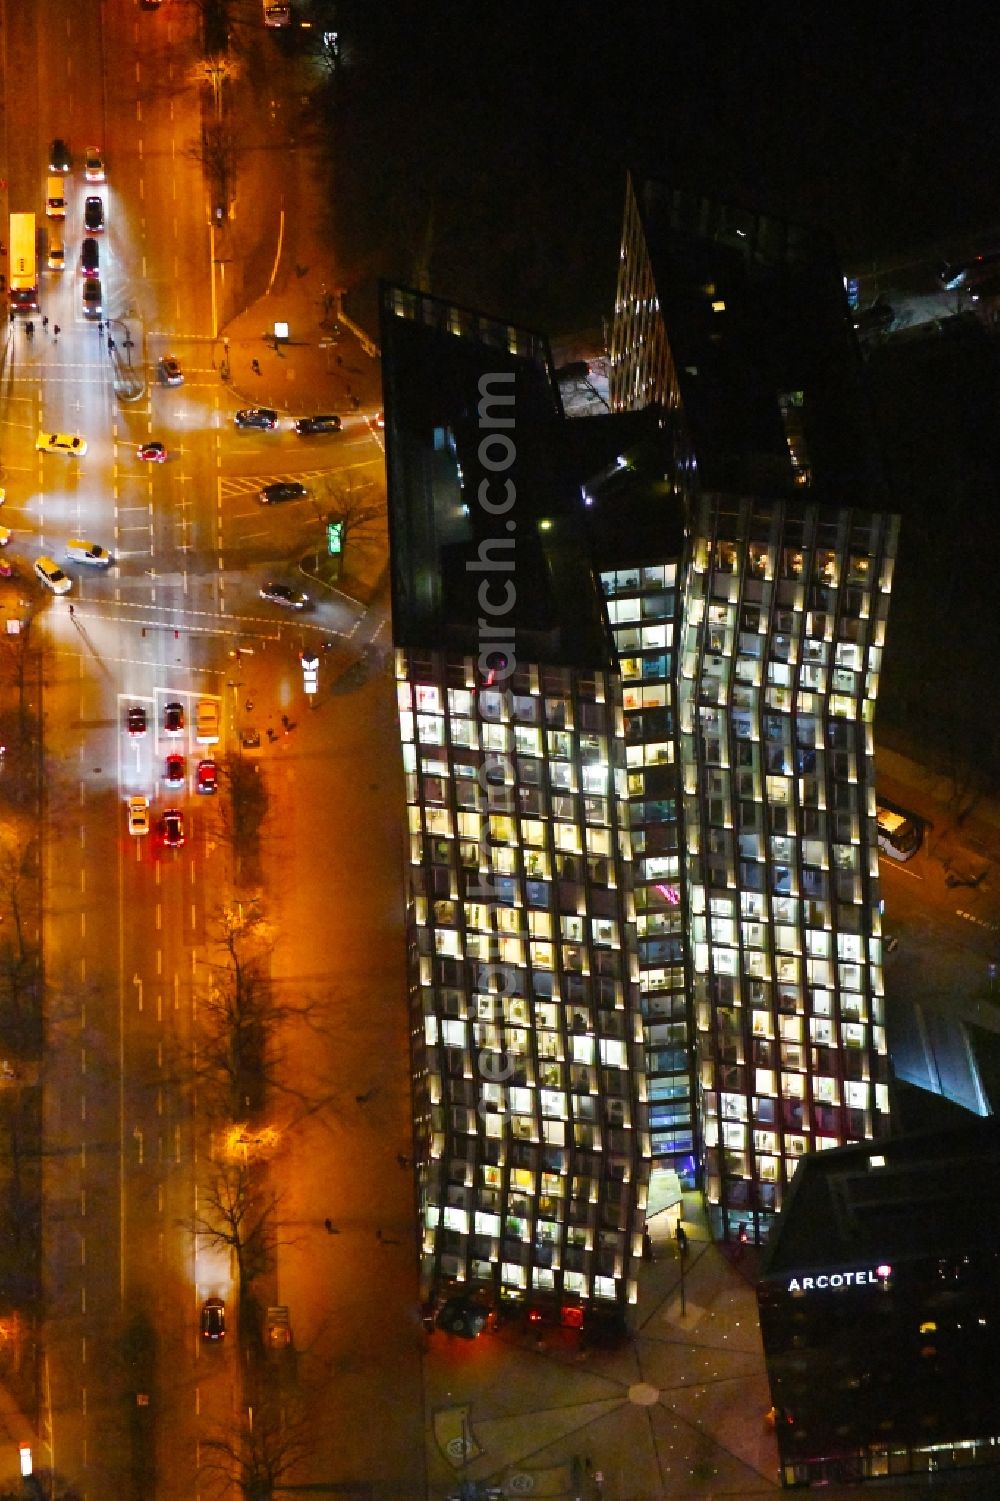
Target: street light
[(215, 70)]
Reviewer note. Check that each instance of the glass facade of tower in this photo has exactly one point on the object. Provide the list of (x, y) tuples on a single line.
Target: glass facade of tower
[(774, 675), (526, 1025), (784, 625), (644, 608)]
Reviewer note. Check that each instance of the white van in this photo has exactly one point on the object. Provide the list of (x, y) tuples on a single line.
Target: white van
[(55, 202), (57, 251), (78, 550), (206, 720), (899, 833)]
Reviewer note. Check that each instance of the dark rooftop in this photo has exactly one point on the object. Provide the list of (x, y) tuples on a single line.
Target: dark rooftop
[(757, 323), (472, 411), (936, 1194)]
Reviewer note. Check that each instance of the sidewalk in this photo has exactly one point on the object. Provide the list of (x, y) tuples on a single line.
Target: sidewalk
[(316, 370), (678, 1410)]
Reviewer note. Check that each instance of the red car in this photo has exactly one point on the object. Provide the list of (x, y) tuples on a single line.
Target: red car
[(208, 777), (174, 772), (172, 828), (155, 453)]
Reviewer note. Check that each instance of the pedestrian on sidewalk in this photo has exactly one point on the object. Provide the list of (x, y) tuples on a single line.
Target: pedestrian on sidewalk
[(56, 330), (378, 1236), (402, 1159), (329, 1227), (255, 366), (45, 324)]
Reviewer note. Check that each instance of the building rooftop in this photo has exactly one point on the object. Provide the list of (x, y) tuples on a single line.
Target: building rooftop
[(473, 411), (769, 372), (930, 1194)]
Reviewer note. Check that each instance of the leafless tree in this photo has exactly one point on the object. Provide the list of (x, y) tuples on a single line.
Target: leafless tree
[(19, 664), (358, 508), (218, 152), (273, 1439), (19, 1012), (238, 1063), (238, 1216), (243, 806)]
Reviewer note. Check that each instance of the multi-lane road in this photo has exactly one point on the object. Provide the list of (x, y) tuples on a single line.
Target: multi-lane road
[(130, 1391)]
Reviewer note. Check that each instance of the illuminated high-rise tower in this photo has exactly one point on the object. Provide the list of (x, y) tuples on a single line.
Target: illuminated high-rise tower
[(637, 659), (736, 326)]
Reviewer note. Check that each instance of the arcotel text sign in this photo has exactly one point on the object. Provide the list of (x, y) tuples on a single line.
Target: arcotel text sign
[(871, 1277)]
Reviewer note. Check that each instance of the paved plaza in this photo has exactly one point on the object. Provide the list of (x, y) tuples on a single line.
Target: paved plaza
[(679, 1410)]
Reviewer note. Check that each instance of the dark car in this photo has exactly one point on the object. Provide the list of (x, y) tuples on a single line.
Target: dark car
[(173, 719), (282, 594), (173, 773), (59, 157), (93, 214), (170, 371), (136, 720), (93, 298), (286, 489), (172, 828), (208, 777), (213, 1319), (327, 422), (256, 417), (90, 257), (462, 1317)]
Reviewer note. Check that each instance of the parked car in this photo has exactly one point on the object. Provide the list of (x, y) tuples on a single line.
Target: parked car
[(155, 453), (135, 720), (265, 417), (59, 156)]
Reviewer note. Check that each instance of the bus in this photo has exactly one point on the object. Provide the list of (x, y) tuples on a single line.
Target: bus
[(23, 264), (899, 833), (277, 13)]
